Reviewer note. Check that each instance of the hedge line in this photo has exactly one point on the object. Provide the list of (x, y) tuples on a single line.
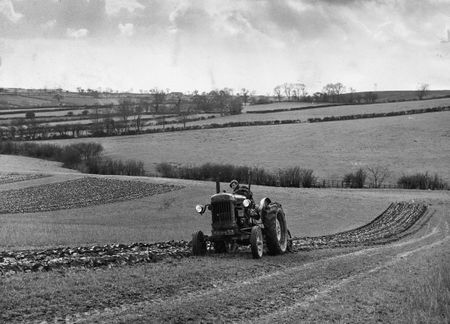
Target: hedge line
[(84, 157), (290, 177)]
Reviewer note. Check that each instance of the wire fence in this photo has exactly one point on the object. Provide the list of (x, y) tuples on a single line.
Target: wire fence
[(334, 183)]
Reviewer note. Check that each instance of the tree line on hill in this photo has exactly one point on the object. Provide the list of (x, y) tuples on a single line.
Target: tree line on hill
[(331, 93)]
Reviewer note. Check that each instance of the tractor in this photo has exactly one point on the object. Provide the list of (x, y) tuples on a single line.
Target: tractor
[(237, 220)]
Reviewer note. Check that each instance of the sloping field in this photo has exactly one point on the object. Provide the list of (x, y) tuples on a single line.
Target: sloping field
[(168, 215), (35, 100), (23, 164), (320, 112), (403, 144), (13, 101), (145, 282), (408, 95)]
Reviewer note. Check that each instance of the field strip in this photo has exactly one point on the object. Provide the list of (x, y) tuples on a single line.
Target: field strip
[(306, 302), (99, 315)]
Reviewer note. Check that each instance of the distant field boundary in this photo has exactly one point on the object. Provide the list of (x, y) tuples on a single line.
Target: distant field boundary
[(79, 129), (378, 115), (296, 108), (40, 109)]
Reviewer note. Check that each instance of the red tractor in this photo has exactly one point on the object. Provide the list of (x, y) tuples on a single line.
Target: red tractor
[(237, 220)]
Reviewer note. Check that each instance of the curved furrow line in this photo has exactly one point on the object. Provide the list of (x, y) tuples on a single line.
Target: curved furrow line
[(391, 225), (396, 219)]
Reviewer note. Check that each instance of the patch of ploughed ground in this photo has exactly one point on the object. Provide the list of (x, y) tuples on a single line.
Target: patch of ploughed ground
[(393, 224), (84, 192)]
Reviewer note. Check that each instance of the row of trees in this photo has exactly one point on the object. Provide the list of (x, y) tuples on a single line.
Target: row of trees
[(333, 92)]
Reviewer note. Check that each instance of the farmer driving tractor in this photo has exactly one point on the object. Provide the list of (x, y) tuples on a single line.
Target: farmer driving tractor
[(240, 190)]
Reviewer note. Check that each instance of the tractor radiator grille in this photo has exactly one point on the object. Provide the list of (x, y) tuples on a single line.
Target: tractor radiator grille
[(222, 215)]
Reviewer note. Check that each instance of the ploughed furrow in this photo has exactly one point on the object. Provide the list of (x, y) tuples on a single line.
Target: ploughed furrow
[(391, 225)]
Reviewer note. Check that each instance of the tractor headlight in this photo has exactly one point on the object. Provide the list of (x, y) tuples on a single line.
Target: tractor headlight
[(200, 209), (246, 202)]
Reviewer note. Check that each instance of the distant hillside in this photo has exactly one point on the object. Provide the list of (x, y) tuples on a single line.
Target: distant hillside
[(33, 98)]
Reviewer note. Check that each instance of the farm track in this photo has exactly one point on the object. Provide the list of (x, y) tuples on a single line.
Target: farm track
[(394, 223)]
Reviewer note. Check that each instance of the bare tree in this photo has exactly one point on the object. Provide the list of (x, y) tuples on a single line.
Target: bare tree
[(277, 91), (334, 91), (125, 110), (298, 91), (245, 93), (138, 117), (159, 96), (423, 90), (377, 175), (287, 87)]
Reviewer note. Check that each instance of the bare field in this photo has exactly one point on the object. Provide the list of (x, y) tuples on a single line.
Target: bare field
[(404, 144), (351, 285)]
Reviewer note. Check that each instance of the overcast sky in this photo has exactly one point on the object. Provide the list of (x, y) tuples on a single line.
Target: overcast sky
[(187, 45)]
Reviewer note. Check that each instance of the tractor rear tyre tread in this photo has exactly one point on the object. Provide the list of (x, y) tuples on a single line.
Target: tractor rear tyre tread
[(276, 231)]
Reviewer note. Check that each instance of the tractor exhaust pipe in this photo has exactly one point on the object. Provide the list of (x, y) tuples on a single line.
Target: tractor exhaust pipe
[(249, 179), (217, 185)]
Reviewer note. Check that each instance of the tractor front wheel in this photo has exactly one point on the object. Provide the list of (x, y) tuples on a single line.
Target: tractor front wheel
[(256, 242), (198, 243)]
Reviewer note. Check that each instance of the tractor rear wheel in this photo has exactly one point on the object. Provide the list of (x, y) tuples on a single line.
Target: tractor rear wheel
[(276, 231), (256, 242), (198, 243)]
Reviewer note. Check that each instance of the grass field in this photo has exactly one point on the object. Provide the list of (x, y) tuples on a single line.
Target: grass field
[(403, 144), (9, 100), (320, 112)]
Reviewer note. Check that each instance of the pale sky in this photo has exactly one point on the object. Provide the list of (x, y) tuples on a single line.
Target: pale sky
[(204, 45)]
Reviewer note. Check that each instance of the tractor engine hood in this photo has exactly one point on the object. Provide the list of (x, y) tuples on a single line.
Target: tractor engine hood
[(224, 196)]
